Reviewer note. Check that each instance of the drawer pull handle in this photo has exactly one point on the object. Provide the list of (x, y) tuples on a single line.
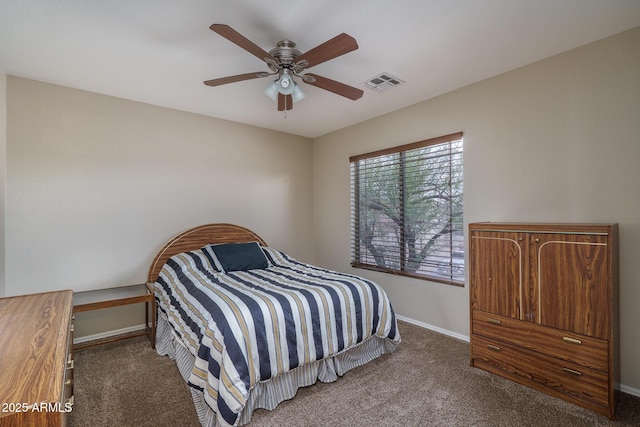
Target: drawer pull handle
[(572, 340), (71, 328), (68, 382), (71, 401), (572, 372), (70, 364), (493, 321), (493, 347)]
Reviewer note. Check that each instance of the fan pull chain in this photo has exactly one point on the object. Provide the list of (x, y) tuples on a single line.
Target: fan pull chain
[(285, 107)]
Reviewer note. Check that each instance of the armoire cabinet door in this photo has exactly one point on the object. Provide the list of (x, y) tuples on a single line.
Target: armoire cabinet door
[(571, 282), (498, 284)]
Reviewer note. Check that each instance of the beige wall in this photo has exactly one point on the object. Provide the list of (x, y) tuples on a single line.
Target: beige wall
[(96, 184), (555, 141)]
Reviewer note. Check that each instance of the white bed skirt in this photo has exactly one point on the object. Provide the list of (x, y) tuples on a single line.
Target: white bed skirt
[(267, 394)]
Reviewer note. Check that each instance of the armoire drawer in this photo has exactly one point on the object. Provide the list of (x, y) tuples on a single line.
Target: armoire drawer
[(577, 384), (579, 349)]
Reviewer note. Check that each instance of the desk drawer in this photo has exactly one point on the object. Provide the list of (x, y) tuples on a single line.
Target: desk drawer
[(66, 401), (579, 349)]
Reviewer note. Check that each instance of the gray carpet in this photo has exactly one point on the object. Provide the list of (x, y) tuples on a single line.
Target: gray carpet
[(426, 382)]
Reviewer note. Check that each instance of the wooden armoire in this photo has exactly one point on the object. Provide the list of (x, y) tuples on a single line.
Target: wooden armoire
[(544, 308)]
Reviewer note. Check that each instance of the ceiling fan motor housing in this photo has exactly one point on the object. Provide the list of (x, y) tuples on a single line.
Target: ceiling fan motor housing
[(285, 52)]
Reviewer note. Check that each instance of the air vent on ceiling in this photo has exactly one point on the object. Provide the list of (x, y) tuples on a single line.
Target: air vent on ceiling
[(383, 81)]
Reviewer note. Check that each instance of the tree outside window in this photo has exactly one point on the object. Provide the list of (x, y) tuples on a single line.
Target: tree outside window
[(407, 210)]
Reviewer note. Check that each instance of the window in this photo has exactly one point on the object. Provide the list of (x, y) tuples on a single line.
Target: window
[(406, 210)]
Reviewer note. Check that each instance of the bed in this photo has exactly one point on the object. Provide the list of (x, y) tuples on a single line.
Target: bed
[(248, 325)]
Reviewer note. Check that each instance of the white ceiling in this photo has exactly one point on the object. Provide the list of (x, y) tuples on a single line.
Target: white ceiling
[(161, 51)]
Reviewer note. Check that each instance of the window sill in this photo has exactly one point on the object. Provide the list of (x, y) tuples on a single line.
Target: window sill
[(411, 275)]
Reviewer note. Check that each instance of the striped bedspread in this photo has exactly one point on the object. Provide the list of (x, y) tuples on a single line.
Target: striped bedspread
[(247, 327)]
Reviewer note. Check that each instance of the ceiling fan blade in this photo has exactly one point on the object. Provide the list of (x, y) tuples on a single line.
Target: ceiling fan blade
[(233, 79), (285, 102), (235, 37), (335, 87), (339, 45)]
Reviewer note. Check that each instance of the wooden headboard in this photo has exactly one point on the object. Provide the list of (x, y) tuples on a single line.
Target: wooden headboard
[(198, 237)]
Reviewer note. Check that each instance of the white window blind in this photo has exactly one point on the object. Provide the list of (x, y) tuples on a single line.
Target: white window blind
[(406, 208)]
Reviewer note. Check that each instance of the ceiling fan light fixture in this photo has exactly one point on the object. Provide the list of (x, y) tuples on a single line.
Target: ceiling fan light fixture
[(297, 94), (272, 91), (286, 85)]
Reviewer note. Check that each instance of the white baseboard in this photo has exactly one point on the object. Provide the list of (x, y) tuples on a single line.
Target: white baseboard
[(626, 389), (630, 390), (108, 334), (434, 328)]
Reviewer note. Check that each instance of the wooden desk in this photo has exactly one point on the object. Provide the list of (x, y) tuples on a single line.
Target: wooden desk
[(114, 297), (36, 359)]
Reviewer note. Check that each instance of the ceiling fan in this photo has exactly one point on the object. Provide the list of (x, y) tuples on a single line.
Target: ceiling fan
[(285, 62)]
